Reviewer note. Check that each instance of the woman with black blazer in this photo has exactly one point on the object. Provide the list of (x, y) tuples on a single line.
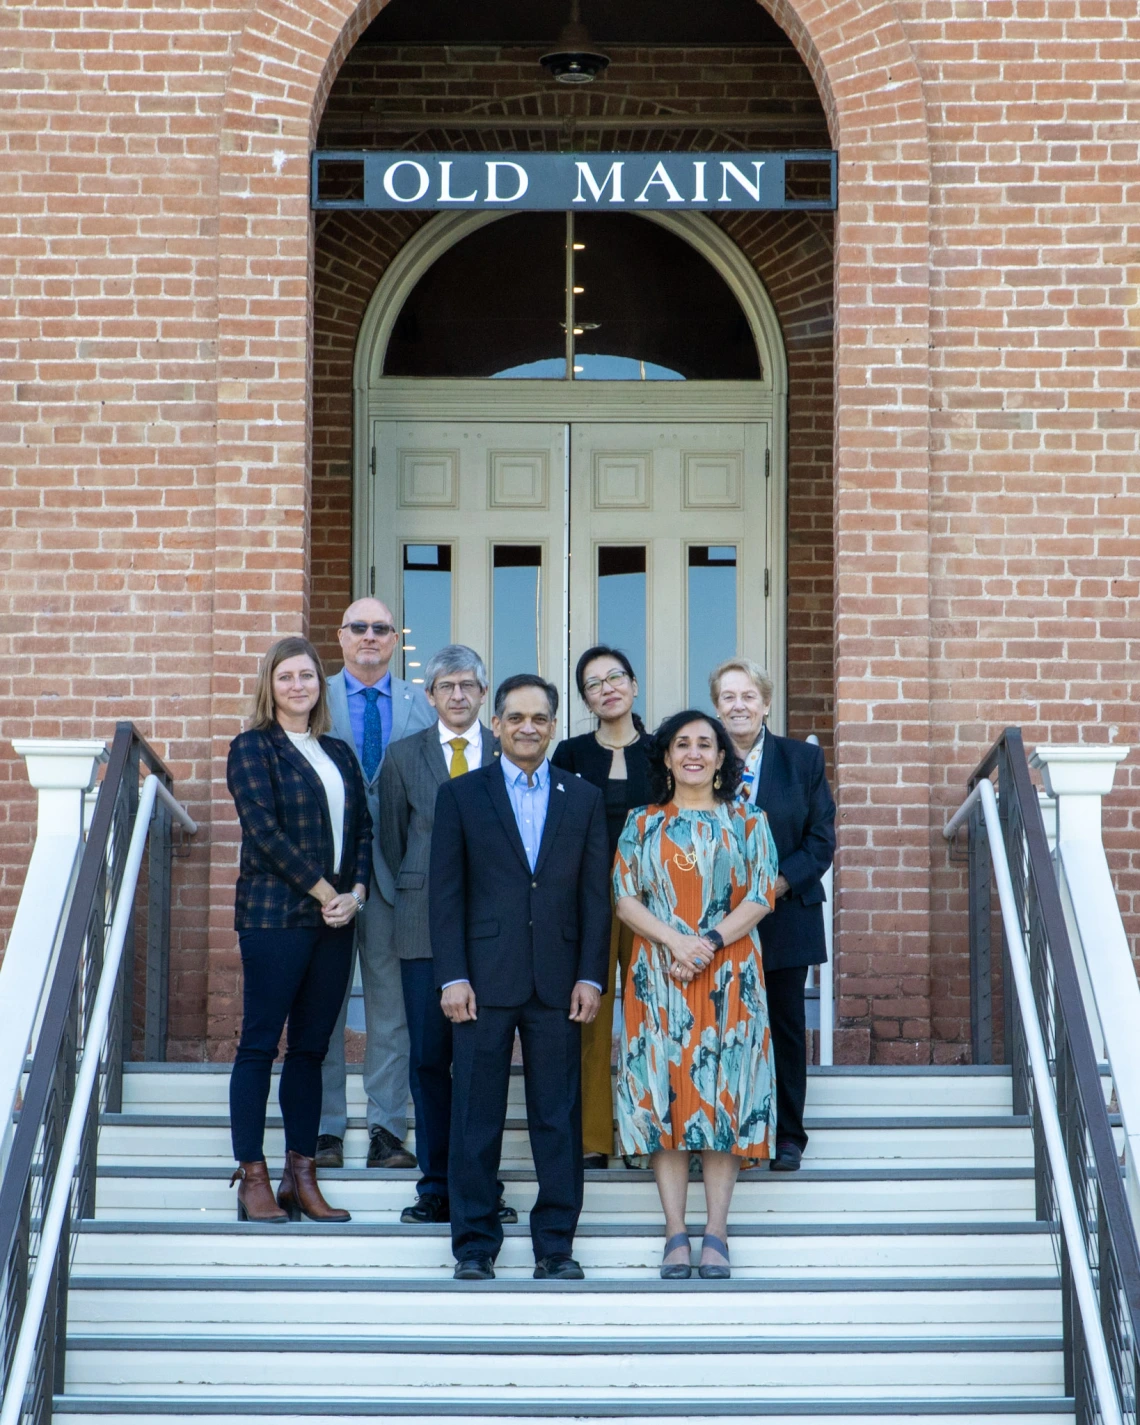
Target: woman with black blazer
[(306, 861), (615, 758)]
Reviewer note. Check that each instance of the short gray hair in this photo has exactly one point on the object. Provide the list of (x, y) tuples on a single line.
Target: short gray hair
[(753, 671), (455, 658)]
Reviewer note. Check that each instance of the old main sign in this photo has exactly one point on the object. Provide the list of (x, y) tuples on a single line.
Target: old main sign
[(569, 182)]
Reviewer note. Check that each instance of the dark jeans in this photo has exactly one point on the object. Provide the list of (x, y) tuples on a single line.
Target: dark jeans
[(289, 976), (789, 1049), (552, 1073), (429, 1071)]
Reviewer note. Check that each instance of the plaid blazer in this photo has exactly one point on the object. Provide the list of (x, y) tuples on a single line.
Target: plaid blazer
[(286, 834)]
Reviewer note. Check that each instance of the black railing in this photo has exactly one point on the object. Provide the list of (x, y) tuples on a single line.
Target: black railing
[(1093, 1166), (31, 1170)]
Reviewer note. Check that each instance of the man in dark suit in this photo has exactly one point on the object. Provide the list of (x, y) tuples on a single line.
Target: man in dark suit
[(787, 780), (455, 681), (520, 926)]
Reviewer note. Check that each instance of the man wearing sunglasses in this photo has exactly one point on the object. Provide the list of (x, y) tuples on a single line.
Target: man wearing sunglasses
[(371, 709)]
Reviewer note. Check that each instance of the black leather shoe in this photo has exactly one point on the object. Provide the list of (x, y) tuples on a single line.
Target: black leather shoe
[(507, 1214), (595, 1161), (558, 1269), (474, 1269), (386, 1151), (788, 1155), (428, 1207), (330, 1151)]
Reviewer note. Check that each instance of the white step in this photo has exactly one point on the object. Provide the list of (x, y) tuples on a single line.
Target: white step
[(245, 1303), (812, 1194), (280, 1364), (359, 1249), (832, 1092), (142, 1138)]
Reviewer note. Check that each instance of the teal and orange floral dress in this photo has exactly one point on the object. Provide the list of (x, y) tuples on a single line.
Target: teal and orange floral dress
[(695, 1070)]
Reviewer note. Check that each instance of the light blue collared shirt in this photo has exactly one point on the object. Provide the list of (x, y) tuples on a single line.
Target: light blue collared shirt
[(354, 690), (529, 804)]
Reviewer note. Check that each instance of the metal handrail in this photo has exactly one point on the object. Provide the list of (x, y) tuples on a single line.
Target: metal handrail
[(65, 1047), (59, 1202), (1077, 1171)]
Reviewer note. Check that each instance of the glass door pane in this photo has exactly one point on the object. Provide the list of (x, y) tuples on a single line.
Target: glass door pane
[(426, 605), (711, 615), (516, 619), (621, 606)]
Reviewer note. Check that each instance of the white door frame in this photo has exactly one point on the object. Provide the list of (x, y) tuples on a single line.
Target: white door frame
[(378, 397)]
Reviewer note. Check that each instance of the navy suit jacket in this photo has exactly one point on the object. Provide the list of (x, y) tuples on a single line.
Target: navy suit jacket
[(794, 794), (511, 932), (286, 834)]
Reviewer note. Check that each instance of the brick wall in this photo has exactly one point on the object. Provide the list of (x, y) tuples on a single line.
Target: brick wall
[(157, 261)]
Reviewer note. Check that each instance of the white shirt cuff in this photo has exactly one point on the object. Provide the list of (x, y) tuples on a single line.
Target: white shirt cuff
[(455, 982)]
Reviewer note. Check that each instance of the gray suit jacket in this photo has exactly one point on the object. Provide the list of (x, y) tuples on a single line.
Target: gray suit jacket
[(410, 779), (411, 712)]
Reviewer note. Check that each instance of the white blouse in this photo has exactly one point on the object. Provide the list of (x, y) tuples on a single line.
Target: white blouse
[(326, 769)]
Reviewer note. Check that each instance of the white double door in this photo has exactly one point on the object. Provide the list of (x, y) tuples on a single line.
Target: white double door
[(531, 540)]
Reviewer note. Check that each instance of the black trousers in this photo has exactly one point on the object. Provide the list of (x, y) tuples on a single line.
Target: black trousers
[(429, 1072), (481, 1073), (294, 977), (789, 1049)]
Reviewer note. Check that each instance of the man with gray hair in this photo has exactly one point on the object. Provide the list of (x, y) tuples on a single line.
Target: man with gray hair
[(455, 681)]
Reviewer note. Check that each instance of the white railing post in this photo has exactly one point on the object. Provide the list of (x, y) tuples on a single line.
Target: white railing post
[(62, 773), (1079, 778)]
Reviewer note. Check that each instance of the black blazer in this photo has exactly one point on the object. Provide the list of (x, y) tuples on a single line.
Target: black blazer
[(511, 933), (585, 757), (794, 794), (286, 834)]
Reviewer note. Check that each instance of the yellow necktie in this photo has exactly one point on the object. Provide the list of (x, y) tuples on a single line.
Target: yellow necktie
[(458, 747)]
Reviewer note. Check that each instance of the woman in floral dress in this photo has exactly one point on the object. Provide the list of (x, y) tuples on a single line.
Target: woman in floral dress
[(694, 876)]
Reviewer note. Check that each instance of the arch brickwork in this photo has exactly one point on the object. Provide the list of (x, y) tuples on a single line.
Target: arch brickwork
[(858, 54)]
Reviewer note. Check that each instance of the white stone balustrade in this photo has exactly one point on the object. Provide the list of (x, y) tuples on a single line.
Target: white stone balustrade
[(1079, 778), (62, 772)]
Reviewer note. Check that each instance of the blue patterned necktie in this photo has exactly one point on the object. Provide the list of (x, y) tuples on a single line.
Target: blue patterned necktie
[(373, 734)]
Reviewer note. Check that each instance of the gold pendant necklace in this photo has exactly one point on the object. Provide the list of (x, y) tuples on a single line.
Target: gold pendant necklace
[(683, 861)]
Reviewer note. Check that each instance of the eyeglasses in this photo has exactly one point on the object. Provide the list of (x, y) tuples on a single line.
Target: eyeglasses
[(616, 679), (445, 690), (381, 630)]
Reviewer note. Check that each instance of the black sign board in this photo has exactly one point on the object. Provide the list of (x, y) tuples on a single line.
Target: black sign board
[(574, 182)]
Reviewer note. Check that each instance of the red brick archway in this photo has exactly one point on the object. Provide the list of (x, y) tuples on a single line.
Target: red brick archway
[(868, 82)]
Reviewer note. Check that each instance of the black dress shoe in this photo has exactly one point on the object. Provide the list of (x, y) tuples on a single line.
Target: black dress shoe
[(330, 1151), (788, 1155), (507, 1214), (595, 1161), (386, 1151), (474, 1269), (428, 1207), (559, 1269)]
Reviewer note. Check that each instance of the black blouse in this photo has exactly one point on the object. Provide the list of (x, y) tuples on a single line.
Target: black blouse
[(586, 757)]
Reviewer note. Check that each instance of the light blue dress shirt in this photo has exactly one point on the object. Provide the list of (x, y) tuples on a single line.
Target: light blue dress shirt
[(529, 804), (354, 689)]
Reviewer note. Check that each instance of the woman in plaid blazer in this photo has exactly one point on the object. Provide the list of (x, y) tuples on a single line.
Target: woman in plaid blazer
[(306, 861)]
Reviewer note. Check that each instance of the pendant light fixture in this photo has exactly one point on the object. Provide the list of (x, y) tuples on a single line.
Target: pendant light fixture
[(574, 61)]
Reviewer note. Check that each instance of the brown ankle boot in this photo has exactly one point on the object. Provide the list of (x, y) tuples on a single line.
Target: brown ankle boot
[(255, 1196), (299, 1192)]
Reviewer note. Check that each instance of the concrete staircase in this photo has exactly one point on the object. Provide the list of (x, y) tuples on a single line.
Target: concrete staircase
[(900, 1275)]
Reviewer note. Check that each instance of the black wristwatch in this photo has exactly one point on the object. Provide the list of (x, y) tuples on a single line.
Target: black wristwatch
[(715, 939)]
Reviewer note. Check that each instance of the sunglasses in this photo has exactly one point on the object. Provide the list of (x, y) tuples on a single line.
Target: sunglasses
[(381, 630)]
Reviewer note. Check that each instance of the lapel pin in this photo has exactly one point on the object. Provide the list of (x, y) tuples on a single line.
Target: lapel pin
[(559, 787)]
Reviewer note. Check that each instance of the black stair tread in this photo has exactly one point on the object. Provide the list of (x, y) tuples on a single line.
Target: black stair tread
[(611, 1345)]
